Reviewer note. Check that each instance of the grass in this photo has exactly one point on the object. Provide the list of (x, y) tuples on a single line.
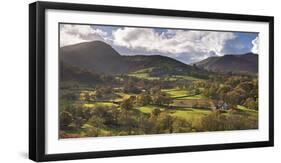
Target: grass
[(246, 109), (193, 97), (186, 77), (187, 113), (251, 112), (190, 113), (181, 94), (122, 96), (148, 108), (144, 74), (145, 109), (107, 104), (176, 93)]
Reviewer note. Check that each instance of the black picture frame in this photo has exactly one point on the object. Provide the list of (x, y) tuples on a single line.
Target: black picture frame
[(37, 80)]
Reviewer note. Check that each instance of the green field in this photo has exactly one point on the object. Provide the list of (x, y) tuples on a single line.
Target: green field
[(190, 113), (148, 109), (95, 104), (186, 113), (144, 74), (251, 112), (181, 94)]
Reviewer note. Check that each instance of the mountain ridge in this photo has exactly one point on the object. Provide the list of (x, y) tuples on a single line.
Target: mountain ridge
[(244, 63), (100, 57)]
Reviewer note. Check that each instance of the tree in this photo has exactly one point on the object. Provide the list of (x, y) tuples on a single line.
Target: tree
[(155, 112), (144, 99), (213, 92), (93, 126), (222, 91), (65, 119), (162, 98), (196, 91), (217, 121), (130, 87), (115, 113), (251, 103), (126, 106), (155, 90), (98, 94), (181, 125), (164, 123), (235, 97), (212, 122), (247, 86), (87, 96)]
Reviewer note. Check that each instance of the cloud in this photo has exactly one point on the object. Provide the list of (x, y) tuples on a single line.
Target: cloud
[(255, 43), (187, 46), (173, 42), (73, 34)]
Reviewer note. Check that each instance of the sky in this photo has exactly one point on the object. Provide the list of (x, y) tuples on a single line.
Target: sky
[(185, 45)]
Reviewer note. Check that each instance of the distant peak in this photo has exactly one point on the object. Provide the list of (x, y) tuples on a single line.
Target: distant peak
[(250, 53)]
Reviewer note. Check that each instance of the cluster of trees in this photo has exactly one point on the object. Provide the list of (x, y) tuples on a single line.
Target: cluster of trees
[(110, 120), (168, 71), (221, 122), (234, 90), (136, 85), (158, 98)]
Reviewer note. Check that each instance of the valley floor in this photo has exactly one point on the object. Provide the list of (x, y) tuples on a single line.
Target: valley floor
[(188, 111)]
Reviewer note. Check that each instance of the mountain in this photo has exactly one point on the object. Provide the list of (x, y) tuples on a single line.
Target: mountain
[(100, 57), (95, 55), (245, 63)]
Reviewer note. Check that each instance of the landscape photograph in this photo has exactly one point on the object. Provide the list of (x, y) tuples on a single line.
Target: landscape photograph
[(125, 80)]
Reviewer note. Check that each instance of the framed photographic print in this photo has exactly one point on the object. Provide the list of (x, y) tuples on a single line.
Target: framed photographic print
[(118, 81)]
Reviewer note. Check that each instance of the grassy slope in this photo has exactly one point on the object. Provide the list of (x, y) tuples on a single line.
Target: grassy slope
[(144, 74), (253, 113), (91, 105), (148, 108), (190, 114), (181, 94)]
